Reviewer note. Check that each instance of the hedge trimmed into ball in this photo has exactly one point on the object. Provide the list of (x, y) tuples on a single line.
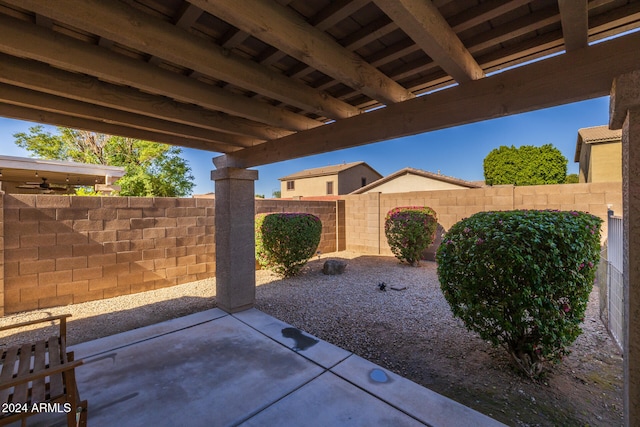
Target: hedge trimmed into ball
[(286, 241), (522, 279), (410, 230)]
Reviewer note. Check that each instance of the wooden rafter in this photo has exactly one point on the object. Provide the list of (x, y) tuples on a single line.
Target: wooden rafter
[(422, 21), (42, 101), (37, 76), (288, 32), (40, 116), (511, 92), (484, 12), (575, 23), (163, 40), (22, 39)]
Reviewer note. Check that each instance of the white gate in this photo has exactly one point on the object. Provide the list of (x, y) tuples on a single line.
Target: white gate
[(615, 291)]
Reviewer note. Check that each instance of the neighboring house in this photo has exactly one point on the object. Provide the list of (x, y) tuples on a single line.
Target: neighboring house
[(599, 151), (410, 179), (328, 180), (23, 175)]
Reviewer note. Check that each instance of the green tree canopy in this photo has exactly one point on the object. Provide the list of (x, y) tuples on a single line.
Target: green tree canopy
[(572, 179), (152, 169), (527, 165)]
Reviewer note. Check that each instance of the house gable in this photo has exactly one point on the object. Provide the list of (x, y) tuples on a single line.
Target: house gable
[(410, 179)]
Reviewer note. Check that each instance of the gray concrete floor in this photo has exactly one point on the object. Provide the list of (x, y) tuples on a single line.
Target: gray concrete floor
[(245, 369)]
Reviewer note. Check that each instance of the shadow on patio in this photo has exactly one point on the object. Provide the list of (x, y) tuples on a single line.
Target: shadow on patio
[(216, 369)]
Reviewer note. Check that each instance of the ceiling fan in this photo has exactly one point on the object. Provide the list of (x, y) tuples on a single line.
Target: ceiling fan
[(44, 186)]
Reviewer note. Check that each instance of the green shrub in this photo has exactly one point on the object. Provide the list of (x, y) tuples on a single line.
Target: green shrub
[(522, 280), (410, 230), (286, 241)]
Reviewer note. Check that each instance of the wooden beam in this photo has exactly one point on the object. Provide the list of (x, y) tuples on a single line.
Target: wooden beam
[(187, 16), (484, 12), (14, 95), (575, 23), (290, 33), (574, 76), (128, 26), (513, 29), (323, 20), (57, 119), (422, 21), (336, 12), (40, 77), (19, 38)]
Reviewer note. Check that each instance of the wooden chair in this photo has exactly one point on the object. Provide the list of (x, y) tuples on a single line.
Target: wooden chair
[(39, 377)]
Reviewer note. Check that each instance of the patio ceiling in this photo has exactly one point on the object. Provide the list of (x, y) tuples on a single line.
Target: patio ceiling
[(264, 81)]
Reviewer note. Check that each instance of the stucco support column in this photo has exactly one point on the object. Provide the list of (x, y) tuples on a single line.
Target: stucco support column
[(235, 238), (625, 114)]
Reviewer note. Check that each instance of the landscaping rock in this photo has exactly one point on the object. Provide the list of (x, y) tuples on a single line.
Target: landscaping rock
[(333, 267)]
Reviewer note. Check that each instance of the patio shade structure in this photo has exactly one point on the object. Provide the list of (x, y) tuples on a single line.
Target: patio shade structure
[(262, 81)]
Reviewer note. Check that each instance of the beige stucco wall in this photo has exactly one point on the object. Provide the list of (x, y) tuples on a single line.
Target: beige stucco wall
[(601, 162), (410, 182), (351, 179), (314, 186), (343, 183), (606, 163)]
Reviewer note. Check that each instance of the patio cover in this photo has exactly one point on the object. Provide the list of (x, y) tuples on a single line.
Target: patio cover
[(261, 81)]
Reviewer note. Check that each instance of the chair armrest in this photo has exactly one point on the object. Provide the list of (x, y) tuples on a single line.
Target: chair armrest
[(41, 374), (62, 318)]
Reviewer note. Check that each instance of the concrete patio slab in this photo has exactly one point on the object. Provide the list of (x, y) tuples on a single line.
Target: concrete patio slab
[(331, 401), (321, 352), (426, 405), (217, 369), (124, 339)]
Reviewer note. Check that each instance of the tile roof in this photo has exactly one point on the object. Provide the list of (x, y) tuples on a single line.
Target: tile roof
[(599, 134), (323, 171), (596, 135)]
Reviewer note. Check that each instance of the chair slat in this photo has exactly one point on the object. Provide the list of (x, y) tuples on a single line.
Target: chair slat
[(39, 363), (56, 386), (24, 371), (24, 368), (9, 357)]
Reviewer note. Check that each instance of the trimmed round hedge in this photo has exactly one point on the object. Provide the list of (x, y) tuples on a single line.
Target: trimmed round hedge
[(286, 241), (410, 230), (522, 280)]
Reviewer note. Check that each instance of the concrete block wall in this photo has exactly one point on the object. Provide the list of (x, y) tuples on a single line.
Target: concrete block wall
[(325, 210), (366, 213), (60, 250)]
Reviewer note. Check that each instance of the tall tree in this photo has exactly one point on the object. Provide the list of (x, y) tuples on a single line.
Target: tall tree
[(527, 165), (152, 169)]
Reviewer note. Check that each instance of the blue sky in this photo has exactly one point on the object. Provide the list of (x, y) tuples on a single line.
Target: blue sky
[(456, 152)]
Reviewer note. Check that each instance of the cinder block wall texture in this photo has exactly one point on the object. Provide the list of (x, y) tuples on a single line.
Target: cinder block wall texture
[(60, 250), (366, 213), (325, 210)]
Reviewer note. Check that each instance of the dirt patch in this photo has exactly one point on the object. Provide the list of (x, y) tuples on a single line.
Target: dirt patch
[(414, 334)]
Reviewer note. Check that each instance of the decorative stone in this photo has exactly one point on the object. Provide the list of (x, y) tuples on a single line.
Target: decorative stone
[(333, 267)]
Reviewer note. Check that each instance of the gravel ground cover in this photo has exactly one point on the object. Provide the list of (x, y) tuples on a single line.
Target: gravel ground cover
[(411, 332)]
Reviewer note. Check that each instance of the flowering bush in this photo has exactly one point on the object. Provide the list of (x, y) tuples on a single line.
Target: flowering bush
[(522, 280), (410, 230), (286, 241)]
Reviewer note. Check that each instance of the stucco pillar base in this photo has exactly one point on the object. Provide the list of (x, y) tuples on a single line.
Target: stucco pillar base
[(235, 238), (625, 113)]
